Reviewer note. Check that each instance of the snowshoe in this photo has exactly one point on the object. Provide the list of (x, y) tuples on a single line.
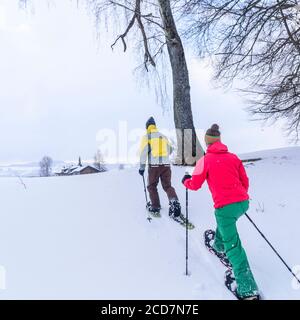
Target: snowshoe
[(230, 284), (209, 236), (154, 212), (183, 222)]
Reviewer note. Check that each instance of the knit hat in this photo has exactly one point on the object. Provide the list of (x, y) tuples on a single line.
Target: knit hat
[(212, 134), (150, 122)]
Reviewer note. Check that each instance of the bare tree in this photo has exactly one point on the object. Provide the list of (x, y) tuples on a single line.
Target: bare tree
[(46, 166), (258, 42), (153, 28), (99, 161)]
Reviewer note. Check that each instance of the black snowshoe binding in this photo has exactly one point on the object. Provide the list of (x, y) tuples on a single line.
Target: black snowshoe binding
[(230, 282), (174, 209), (155, 212), (209, 238)]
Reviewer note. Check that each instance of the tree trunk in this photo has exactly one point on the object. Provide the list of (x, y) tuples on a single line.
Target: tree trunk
[(189, 149)]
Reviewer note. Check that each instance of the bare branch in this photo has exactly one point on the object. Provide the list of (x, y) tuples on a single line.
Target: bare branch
[(258, 42)]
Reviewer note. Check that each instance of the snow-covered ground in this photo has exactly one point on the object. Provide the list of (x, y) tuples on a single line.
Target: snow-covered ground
[(87, 237)]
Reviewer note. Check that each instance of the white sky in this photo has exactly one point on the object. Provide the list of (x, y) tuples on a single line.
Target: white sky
[(59, 86)]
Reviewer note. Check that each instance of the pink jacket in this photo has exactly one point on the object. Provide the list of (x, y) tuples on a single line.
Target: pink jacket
[(225, 175)]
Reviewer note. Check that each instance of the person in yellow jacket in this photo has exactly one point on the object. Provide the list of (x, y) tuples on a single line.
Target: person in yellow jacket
[(155, 150)]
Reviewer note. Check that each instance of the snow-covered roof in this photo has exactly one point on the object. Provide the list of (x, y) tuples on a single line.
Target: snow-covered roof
[(77, 169)]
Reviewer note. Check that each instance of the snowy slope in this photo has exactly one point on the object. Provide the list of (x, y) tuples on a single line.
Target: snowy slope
[(87, 237)]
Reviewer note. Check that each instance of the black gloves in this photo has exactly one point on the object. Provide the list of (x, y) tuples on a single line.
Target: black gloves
[(141, 171), (186, 176)]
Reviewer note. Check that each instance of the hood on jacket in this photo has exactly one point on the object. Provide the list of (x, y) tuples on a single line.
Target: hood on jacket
[(151, 128), (217, 147)]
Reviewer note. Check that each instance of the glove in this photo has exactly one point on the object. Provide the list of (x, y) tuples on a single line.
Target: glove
[(141, 171), (186, 176)]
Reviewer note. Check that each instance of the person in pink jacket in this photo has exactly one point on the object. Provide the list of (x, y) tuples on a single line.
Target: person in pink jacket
[(228, 182)]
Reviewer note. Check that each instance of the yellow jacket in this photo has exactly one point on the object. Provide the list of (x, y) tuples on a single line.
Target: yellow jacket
[(155, 148)]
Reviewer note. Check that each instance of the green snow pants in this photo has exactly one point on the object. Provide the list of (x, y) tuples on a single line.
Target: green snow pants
[(227, 240)]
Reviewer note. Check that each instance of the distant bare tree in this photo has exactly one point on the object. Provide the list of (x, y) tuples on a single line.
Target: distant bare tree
[(99, 161), (46, 166), (257, 41)]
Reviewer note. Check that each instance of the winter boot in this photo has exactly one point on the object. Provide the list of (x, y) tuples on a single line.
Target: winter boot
[(174, 209), (155, 212)]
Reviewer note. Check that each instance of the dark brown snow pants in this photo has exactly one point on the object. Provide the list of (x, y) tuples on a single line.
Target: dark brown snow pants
[(162, 172)]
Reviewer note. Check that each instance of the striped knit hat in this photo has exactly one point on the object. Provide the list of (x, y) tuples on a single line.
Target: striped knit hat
[(212, 134)]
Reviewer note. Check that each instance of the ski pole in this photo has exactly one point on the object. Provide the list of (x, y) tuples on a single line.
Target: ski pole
[(268, 242), (186, 230), (145, 190), (149, 218)]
